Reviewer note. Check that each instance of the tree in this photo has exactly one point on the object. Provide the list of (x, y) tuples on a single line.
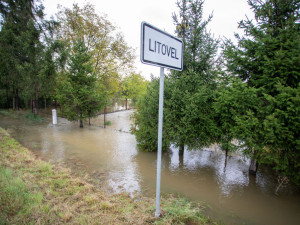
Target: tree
[(146, 119), (25, 61), (188, 97), (266, 59), (133, 87), (111, 57), (77, 90), (190, 105)]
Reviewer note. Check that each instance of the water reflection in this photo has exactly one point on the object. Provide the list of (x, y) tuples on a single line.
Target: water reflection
[(52, 144)]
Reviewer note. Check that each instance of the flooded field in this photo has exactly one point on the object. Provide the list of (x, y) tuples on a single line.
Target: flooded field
[(111, 155)]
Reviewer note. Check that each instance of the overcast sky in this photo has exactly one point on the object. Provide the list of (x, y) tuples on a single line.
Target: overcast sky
[(127, 15)]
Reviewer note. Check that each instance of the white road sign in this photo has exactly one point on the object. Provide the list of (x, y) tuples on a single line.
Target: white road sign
[(160, 48)]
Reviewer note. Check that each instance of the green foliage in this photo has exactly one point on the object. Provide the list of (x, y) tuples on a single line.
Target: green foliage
[(189, 110), (31, 117), (107, 123), (134, 86), (77, 90), (25, 56), (188, 97), (263, 111), (110, 55), (146, 119)]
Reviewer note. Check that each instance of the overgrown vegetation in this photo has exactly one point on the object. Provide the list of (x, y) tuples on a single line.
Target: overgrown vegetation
[(33, 191)]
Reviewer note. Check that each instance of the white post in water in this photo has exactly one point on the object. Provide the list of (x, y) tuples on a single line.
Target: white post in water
[(161, 49), (54, 116), (159, 141)]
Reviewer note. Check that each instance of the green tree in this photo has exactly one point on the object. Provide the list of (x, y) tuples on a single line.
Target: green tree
[(188, 97), (267, 60), (111, 57), (146, 118), (133, 87), (25, 57), (77, 89), (190, 106)]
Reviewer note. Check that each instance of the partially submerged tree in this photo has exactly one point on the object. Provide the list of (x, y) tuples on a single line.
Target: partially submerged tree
[(190, 105), (188, 97), (133, 87), (267, 60), (146, 119), (77, 89)]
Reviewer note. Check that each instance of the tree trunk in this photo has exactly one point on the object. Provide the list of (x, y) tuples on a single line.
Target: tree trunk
[(181, 148), (89, 118), (7, 98), (80, 121), (226, 157), (14, 100), (180, 159), (35, 107), (253, 167), (31, 105), (17, 99), (104, 117), (45, 104), (126, 103)]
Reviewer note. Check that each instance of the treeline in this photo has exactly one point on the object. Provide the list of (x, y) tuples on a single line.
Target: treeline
[(77, 59), (247, 93)]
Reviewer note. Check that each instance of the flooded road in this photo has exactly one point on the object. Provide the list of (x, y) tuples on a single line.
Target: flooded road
[(111, 154)]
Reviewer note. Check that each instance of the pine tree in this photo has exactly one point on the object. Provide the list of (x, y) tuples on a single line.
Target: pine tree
[(267, 59), (25, 58), (190, 106), (77, 91), (188, 95)]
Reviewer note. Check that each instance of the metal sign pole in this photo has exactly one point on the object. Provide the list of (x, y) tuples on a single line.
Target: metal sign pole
[(166, 51), (159, 142)]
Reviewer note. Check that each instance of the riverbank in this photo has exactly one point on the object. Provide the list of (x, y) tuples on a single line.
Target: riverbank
[(33, 191)]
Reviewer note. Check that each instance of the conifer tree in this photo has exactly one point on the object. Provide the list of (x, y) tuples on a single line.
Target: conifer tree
[(189, 108), (25, 58), (77, 91), (188, 95), (267, 59)]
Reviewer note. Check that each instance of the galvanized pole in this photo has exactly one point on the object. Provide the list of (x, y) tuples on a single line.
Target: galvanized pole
[(159, 141)]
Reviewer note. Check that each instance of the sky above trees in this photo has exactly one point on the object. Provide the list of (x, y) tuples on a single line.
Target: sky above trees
[(128, 15)]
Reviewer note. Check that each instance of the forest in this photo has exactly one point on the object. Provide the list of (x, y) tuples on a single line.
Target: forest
[(241, 94), (78, 60)]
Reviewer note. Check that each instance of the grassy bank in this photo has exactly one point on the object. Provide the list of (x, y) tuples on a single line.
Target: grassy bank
[(36, 192)]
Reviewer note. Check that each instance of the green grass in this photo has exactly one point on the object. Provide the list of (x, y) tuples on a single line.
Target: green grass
[(4, 112), (27, 115), (16, 201), (30, 116), (107, 123)]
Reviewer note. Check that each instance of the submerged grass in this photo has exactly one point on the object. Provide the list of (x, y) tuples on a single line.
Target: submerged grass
[(36, 192), (25, 114)]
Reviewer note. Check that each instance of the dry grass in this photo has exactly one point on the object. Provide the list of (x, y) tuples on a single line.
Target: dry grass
[(52, 195)]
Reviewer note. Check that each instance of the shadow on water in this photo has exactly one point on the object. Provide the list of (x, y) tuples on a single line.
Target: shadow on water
[(111, 156)]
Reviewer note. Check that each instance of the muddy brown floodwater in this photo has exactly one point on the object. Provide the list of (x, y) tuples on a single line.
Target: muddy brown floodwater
[(231, 195)]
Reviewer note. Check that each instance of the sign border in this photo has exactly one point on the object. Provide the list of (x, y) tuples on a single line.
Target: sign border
[(143, 25)]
